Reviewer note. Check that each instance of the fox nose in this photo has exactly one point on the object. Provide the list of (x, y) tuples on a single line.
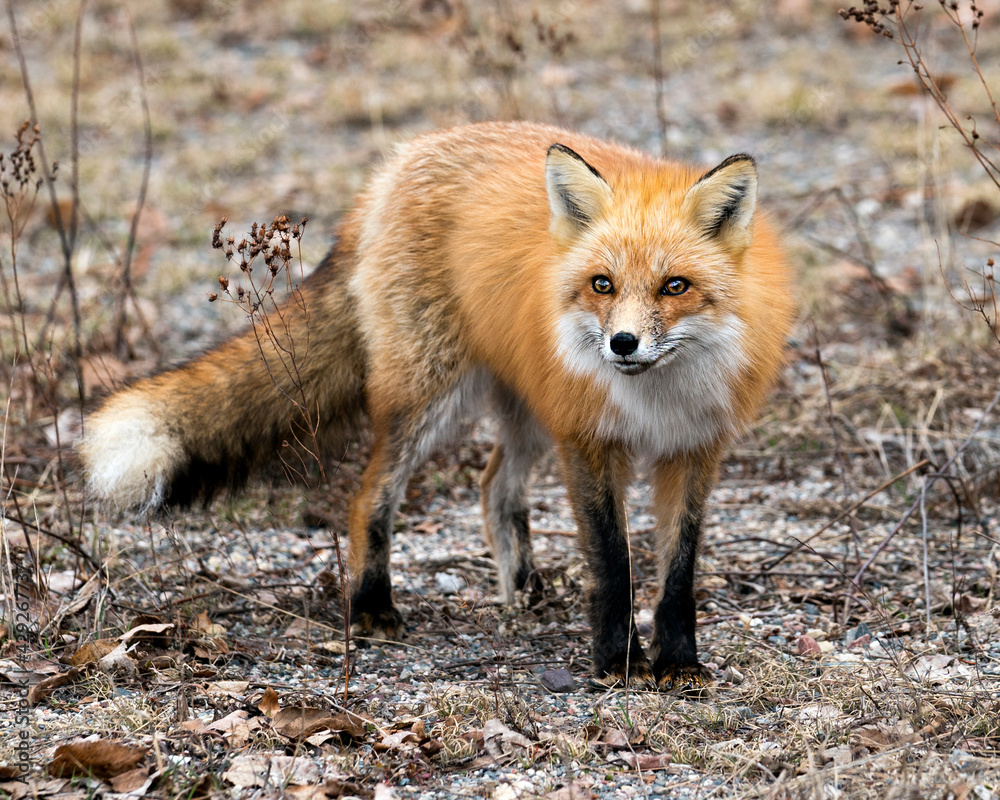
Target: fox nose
[(624, 344)]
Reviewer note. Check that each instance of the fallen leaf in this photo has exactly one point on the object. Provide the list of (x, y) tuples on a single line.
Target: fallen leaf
[(195, 726), (203, 624), (881, 736), (334, 646), (400, 740), (301, 723), (100, 758), (642, 761), (147, 629), (228, 722), (235, 689), (118, 662), (44, 688), (614, 738), (937, 669), (92, 652), (135, 781), (271, 770), (269, 705), (82, 597), (14, 790), (841, 755), (495, 729), (431, 747)]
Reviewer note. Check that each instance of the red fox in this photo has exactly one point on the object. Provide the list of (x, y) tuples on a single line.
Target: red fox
[(629, 309)]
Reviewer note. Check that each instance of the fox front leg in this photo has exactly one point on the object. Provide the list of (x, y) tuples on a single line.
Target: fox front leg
[(680, 488), (595, 479)]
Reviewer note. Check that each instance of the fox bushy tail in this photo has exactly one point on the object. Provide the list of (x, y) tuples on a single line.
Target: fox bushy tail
[(188, 432)]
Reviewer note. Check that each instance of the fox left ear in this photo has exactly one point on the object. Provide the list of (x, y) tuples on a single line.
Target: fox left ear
[(578, 194), (723, 200)]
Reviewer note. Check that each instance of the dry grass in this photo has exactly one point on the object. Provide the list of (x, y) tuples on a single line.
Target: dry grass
[(260, 110)]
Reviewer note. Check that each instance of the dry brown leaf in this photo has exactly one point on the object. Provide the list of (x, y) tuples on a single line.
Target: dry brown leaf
[(157, 628), (228, 722), (643, 761), (204, 625), (118, 662), (271, 770), (494, 728), (43, 788), (880, 737), (235, 689), (431, 747), (331, 788), (92, 652), (82, 597), (195, 726), (400, 740), (44, 688), (614, 738), (135, 781), (269, 705), (301, 723), (14, 790), (98, 759)]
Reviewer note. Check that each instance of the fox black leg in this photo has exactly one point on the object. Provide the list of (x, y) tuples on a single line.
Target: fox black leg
[(681, 491), (595, 482), (372, 611), (403, 440)]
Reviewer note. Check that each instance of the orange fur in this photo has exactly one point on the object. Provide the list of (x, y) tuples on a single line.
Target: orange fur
[(632, 309)]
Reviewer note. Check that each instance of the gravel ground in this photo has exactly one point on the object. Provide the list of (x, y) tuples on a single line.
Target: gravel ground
[(821, 688)]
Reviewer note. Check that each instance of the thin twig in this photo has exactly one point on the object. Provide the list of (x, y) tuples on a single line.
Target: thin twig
[(930, 480), (49, 177), (799, 544), (126, 290)]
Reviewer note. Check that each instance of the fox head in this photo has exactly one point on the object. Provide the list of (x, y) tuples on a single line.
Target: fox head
[(650, 261)]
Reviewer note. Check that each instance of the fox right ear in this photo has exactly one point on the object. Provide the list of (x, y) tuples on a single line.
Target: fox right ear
[(578, 194), (723, 200)]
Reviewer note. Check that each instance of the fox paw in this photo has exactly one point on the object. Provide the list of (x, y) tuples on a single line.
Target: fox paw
[(621, 674), (691, 680), (384, 623)]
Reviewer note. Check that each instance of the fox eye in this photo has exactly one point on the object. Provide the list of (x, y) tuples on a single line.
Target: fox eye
[(675, 286), (602, 285)]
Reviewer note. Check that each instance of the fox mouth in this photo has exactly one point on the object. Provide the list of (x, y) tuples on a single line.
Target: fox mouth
[(627, 367)]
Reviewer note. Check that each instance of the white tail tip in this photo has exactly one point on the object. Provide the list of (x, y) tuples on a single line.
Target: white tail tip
[(129, 454)]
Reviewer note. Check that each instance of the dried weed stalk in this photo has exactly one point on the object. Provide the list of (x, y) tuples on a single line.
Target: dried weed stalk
[(906, 23), (900, 21), (279, 246)]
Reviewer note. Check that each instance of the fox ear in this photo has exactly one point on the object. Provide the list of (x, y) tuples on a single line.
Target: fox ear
[(578, 194), (723, 200)]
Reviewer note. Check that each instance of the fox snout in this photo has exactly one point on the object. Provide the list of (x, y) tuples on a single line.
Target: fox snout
[(624, 344), (628, 354)]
